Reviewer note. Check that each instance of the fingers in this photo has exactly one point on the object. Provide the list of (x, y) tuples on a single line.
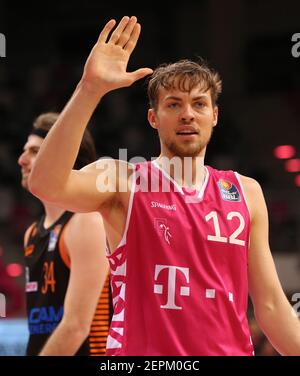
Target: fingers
[(120, 29), (140, 73), (106, 30), (126, 34), (129, 47)]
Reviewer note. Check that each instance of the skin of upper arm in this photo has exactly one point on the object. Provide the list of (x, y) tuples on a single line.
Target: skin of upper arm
[(85, 241), (96, 187), (264, 285), (82, 192)]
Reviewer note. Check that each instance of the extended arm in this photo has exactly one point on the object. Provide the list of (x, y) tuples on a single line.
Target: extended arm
[(272, 310), (85, 242), (52, 178)]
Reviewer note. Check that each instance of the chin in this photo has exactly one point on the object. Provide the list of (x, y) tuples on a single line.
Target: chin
[(189, 151)]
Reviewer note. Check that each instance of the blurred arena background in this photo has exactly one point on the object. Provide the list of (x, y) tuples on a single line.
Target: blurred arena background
[(248, 41)]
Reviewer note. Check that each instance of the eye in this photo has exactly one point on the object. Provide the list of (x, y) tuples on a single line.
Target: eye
[(34, 151), (173, 105), (199, 104)]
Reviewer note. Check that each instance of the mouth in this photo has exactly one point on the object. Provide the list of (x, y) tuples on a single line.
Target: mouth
[(25, 173), (186, 131), (187, 135)]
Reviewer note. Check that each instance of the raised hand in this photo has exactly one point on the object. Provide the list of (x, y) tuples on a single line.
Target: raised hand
[(105, 68)]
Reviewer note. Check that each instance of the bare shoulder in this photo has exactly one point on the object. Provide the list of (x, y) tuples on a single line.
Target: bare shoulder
[(254, 196), (250, 185)]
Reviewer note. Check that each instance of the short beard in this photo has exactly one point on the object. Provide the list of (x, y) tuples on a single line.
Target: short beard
[(192, 150)]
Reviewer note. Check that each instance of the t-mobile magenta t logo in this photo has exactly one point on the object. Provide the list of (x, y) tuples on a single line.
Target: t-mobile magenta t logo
[(158, 288)]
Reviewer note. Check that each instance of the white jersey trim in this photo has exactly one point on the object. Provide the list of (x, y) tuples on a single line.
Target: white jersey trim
[(167, 176), (204, 185), (243, 191), (130, 204), (179, 188)]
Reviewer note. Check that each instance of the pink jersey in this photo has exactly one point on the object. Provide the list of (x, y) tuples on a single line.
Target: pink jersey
[(179, 275)]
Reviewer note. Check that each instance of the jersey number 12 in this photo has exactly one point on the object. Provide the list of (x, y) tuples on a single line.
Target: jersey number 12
[(233, 238)]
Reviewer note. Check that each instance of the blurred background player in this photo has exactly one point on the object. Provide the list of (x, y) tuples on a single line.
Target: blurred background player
[(66, 267)]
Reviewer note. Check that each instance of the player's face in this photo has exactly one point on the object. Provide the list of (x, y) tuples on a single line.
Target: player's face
[(184, 121), (27, 158)]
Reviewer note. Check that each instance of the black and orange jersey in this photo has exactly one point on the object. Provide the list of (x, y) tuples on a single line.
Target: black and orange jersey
[(47, 268)]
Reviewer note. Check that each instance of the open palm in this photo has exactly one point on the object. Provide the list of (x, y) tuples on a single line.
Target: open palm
[(107, 63)]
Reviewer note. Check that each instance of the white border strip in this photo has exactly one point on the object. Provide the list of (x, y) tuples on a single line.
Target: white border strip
[(167, 176), (130, 204), (243, 191), (204, 185)]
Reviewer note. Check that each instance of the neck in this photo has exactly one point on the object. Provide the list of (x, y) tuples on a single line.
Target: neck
[(52, 214), (186, 171)]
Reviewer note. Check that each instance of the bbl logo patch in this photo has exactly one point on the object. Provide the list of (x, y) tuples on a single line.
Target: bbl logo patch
[(53, 238), (229, 191)]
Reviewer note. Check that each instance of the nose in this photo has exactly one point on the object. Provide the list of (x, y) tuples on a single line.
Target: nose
[(23, 160), (187, 114)]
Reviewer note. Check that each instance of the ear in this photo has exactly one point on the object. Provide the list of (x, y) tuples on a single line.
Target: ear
[(152, 118), (215, 115)]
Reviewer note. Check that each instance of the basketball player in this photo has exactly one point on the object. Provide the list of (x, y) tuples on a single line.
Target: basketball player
[(66, 267), (181, 259)]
